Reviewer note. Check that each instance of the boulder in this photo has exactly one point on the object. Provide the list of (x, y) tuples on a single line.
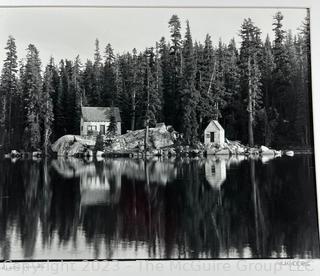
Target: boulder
[(268, 152), (277, 153), (116, 146), (290, 153), (240, 150), (36, 154), (15, 153), (224, 151), (253, 151), (70, 145), (211, 151), (76, 149), (264, 149), (159, 137), (99, 153)]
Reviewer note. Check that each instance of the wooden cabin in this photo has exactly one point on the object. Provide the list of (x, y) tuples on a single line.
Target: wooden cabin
[(96, 120)]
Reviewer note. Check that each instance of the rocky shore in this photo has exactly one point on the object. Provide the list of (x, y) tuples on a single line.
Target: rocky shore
[(162, 141)]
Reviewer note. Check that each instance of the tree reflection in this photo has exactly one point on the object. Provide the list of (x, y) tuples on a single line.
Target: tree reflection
[(174, 208)]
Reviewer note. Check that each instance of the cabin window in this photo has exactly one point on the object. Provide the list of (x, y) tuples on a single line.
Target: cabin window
[(213, 169), (92, 128)]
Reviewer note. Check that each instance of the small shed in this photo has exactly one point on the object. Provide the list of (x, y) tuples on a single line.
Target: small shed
[(214, 134), (96, 120)]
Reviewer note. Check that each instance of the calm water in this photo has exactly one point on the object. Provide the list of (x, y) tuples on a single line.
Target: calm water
[(179, 208)]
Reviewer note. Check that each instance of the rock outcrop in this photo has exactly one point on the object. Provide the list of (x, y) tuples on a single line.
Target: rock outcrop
[(159, 137), (73, 145), (236, 148)]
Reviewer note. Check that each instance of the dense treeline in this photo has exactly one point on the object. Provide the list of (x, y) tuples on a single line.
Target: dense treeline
[(260, 92)]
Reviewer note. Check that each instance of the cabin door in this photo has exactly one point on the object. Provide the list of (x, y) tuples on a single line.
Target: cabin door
[(102, 129), (212, 137)]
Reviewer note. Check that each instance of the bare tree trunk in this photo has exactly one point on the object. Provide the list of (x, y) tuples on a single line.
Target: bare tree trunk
[(211, 79), (267, 130), (3, 121), (250, 127), (133, 118), (46, 142), (250, 107), (147, 115), (9, 122)]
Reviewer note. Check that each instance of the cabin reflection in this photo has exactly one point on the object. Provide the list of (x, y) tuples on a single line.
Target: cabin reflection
[(216, 171), (100, 182)]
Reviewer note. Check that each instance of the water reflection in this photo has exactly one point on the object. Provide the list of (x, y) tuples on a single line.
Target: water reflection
[(174, 208)]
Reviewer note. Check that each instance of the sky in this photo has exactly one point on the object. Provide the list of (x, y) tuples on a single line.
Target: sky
[(64, 32)]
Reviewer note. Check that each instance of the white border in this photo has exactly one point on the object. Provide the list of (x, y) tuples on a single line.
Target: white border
[(140, 268)]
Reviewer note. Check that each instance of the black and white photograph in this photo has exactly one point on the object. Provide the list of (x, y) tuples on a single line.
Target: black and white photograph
[(156, 133)]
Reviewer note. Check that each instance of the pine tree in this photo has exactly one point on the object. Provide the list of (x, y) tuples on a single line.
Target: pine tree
[(174, 94), (217, 89), (165, 67), (303, 120), (8, 95), (270, 113), (47, 115), (281, 82), (60, 115), (254, 95), (109, 78), (158, 76), (76, 96), (99, 145), (52, 70), (190, 96), (232, 96), (134, 69), (87, 84), (112, 127), (204, 79), (129, 88), (152, 97), (97, 85), (32, 90), (250, 58)]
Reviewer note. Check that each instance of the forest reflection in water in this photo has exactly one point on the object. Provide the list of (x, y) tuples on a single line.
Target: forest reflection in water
[(174, 208)]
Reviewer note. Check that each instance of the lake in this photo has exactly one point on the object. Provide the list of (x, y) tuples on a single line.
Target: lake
[(159, 208)]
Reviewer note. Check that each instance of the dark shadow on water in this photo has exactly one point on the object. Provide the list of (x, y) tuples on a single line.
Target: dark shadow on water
[(174, 208)]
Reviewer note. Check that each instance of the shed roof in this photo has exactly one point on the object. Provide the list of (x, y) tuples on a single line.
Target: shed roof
[(216, 124), (99, 114)]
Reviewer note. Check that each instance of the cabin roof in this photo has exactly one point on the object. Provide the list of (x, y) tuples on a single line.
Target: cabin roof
[(99, 114), (216, 124)]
